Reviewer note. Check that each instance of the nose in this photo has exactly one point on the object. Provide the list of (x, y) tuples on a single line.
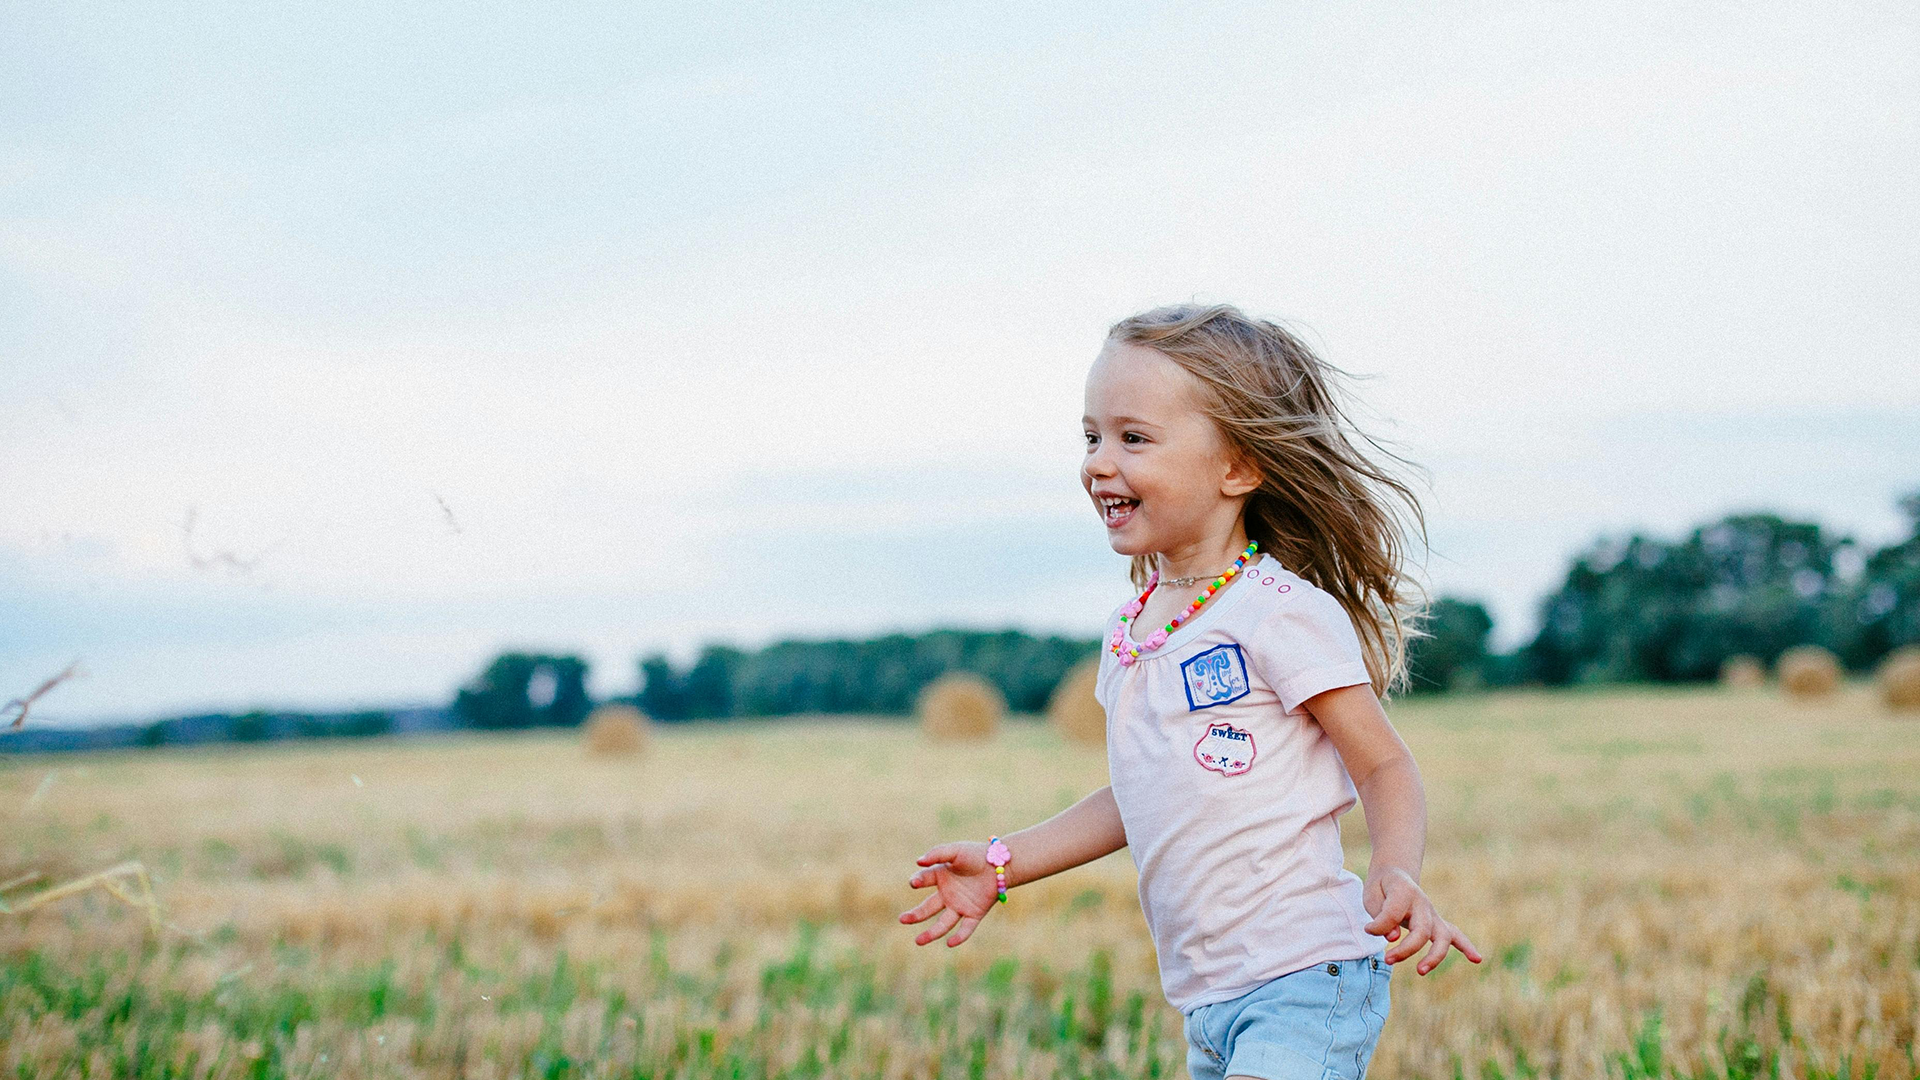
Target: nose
[(1097, 464)]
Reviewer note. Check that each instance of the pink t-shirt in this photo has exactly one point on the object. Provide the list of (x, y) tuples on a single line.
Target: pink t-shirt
[(1231, 792)]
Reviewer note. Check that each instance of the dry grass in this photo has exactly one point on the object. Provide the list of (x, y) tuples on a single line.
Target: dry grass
[(1808, 672), (1073, 710), (127, 882), (961, 707), (504, 906), (615, 731)]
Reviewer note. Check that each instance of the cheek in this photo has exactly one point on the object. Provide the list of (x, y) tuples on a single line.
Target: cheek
[(1174, 487), (1153, 477)]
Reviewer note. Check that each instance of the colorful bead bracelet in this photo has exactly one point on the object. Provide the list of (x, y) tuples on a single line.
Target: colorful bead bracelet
[(998, 855), (1118, 644)]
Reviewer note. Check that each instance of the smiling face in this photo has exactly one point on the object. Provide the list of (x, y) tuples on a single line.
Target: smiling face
[(1158, 470)]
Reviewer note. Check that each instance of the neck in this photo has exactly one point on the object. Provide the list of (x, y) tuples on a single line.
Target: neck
[(1206, 558)]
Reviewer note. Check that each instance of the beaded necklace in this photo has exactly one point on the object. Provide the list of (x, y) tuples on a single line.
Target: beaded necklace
[(1119, 646)]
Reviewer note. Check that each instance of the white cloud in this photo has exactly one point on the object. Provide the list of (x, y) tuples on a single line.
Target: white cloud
[(832, 284)]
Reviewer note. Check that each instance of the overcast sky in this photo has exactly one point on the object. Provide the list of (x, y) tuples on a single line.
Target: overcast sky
[(345, 347)]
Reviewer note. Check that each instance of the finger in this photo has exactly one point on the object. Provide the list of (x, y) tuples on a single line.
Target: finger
[(926, 909), (1394, 909), (1437, 949), (1372, 897), (1392, 913), (1465, 946), (1417, 935), (929, 876), (964, 930), (940, 926), (941, 853)]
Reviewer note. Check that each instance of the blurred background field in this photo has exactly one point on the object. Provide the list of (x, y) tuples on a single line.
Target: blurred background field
[(1693, 881)]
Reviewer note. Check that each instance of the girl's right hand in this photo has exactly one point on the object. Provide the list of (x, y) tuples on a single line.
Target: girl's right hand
[(964, 887)]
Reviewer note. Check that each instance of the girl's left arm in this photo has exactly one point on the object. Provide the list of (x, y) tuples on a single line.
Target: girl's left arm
[(1389, 784)]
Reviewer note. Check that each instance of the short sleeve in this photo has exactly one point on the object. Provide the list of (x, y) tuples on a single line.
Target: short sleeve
[(1304, 645), (1106, 657)]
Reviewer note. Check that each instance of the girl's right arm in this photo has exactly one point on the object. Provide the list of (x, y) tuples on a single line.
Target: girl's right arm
[(964, 882)]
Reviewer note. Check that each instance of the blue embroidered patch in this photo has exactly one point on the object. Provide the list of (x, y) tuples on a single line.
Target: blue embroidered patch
[(1215, 677)]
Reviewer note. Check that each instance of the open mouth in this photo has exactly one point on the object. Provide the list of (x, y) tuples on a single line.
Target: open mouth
[(1116, 510)]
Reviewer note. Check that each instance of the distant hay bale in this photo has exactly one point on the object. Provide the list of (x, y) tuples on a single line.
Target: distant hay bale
[(1900, 679), (1808, 671), (961, 705), (1743, 672), (1073, 711), (615, 731)]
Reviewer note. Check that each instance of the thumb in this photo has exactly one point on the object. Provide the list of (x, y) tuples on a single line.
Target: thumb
[(1392, 911), (940, 853)]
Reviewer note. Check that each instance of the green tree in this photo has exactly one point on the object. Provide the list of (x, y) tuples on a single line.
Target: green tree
[(249, 727), (878, 675), (709, 684), (1453, 653), (1881, 612), (663, 692), (518, 690), (366, 724), (1647, 609)]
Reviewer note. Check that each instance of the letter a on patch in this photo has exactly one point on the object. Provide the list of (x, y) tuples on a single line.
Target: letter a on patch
[(1215, 677), (1225, 749)]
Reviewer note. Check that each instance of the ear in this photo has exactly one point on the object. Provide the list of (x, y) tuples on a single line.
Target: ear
[(1241, 478)]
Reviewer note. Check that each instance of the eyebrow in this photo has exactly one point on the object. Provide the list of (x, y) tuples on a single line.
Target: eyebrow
[(1125, 420)]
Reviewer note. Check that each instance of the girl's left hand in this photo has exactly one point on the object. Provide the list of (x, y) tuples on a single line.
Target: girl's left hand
[(1402, 913)]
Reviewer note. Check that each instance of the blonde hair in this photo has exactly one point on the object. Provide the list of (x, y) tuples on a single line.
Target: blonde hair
[(1326, 511)]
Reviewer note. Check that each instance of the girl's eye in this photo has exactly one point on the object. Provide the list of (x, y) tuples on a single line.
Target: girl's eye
[(1132, 436), (1092, 438)]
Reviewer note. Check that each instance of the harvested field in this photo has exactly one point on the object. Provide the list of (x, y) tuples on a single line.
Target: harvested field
[(1687, 882)]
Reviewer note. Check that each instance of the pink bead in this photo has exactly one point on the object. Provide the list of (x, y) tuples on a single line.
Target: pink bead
[(1158, 639)]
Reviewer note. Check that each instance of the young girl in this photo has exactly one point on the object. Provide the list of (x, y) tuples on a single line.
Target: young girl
[(1241, 691)]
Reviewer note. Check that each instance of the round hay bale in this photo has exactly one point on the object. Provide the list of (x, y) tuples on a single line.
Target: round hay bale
[(615, 731), (960, 706), (1899, 679), (1073, 711), (1808, 672), (1743, 673)]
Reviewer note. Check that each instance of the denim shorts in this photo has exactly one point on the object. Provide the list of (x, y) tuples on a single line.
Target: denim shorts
[(1320, 1023)]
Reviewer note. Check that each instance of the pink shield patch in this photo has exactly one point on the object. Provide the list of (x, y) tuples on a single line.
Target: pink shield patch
[(1225, 749)]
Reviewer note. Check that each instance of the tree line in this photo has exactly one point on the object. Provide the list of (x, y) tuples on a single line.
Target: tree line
[(1630, 609), (1674, 610), (1634, 609), (1646, 609)]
